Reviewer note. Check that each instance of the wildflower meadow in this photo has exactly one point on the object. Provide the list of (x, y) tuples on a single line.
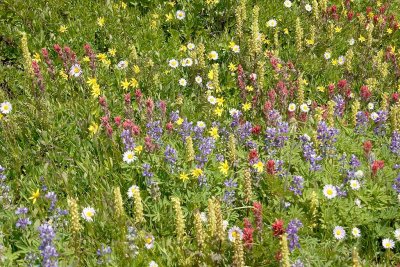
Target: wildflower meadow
[(200, 133)]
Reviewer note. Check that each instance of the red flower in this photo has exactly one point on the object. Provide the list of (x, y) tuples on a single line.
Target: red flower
[(278, 228), (377, 165), (117, 120), (248, 234), (256, 129), (257, 211), (271, 167), (253, 154), (350, 15), (367, 147), (365, 93), (169, 126), (127, 98), (395, 97)]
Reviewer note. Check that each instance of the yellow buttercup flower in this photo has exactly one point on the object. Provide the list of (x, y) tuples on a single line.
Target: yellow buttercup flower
[(338, 29), (169, 17), (36, 57), (249, 88), (134, 83), (125, 84), (112, 52), (179, 121), (183, 176), (361, 39), (214, 132), (259, 166), (246, 106), (101, 21), (321, 88), (286, 31), (62, 29), (35, 196), (220, 101), (101, 56), (138, 149), (224, 168), (232, 67), (197, 172), (93, 128), (86, 59)]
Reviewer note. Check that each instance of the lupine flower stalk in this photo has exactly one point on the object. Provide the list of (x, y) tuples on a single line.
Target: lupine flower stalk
[(47, 248), (215, 78), (349, 59), (76, 226), (26, 54), (355, 107), (315, 9), (314, 209), (179, 220), (118, 203), (198, 226), (189, 149), (356, 261), (240, 14)]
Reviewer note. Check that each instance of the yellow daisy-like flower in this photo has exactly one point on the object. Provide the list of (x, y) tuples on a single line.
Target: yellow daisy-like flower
[(96, 90), (231, 44), (35, 196), (246, 106), (361, 39), (321, 89), (220, 101), (136, 69), (338, 29), (197, 172), (134, 83), (101, 21), (310, 42), (93, 128), (169, 17), (259, 166), (138, 149), (210, 75), (86, 59), (62, 29), (214, 132), (224, 168), (249, 88), (112, 52), (36, 57), (334, 62), (101, 56), (286, 31), (125, 84), (123, 5), (91, 81), (63, 75), (232, 67), (179, 121), (183, 176), (218, 111), (389, 30)]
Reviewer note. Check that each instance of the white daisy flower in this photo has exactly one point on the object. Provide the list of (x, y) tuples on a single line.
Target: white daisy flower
[(191, 46), (129, 156), (188, 62), (327, 55), (233, 112), (330, 191), (182, 82), (212, 100), (122, 64), (359, 174), (287, 4), (308, 7), (132, 190), (213, 55), (173, 63), (397, 234), (236, 49), (356, 232), (354, 184), (198, 79), (5, 107), (292, 107), (209, 85), (339, 233), (235, 232), (180, 14), (304, 107), (75, 70), (374, 116), (388, 243), (341, 60), (153, 264), (88, 213), (272, 23), (201, 124), (357, 202), (149, 241), (351, 41), (371, 106)]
